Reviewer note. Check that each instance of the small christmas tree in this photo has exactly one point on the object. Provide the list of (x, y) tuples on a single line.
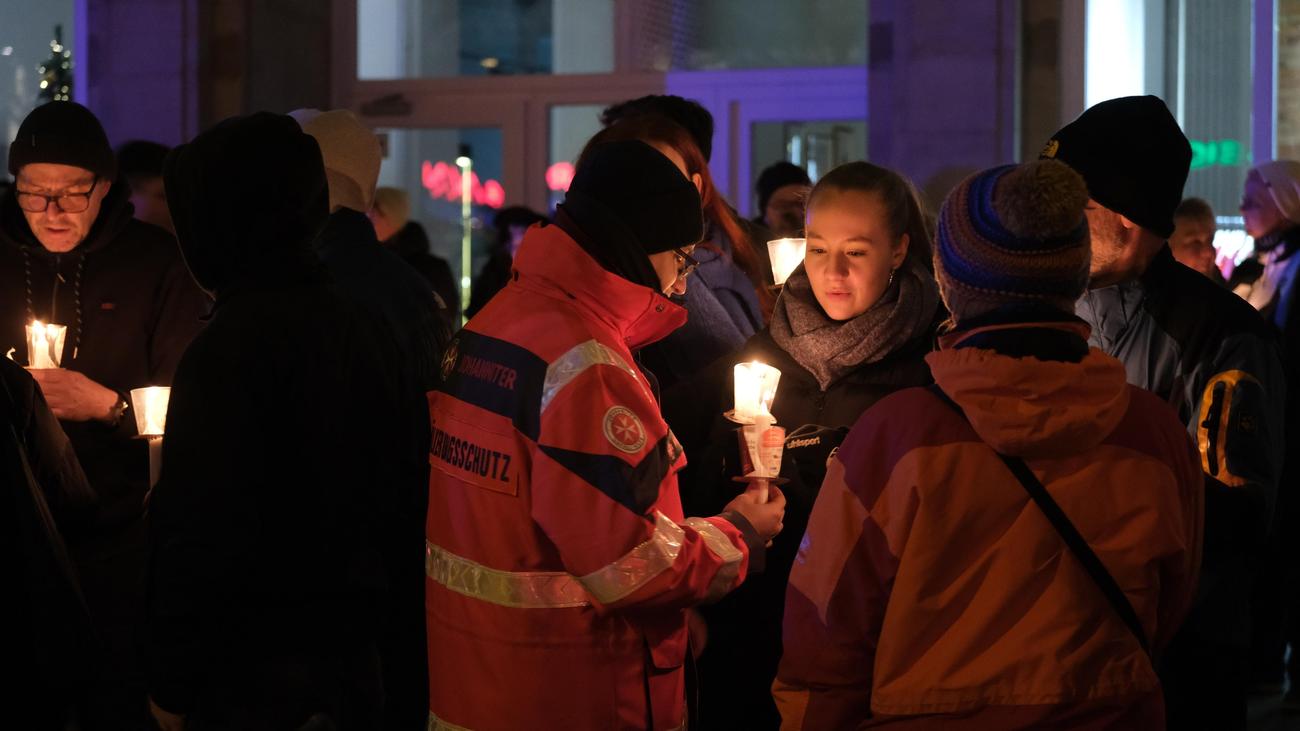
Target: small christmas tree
[(56, 72)]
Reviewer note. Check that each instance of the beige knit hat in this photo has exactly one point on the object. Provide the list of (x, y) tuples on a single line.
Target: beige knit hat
[(351, 153)]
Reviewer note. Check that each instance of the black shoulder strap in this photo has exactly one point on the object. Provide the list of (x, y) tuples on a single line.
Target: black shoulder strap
[(1077, 544)]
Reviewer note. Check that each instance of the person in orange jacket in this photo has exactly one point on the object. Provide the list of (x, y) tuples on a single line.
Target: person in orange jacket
[(931, 590), (560, 565)]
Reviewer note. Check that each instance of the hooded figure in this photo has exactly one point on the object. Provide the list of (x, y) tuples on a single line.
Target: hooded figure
[(49, 641), (266, 583), (401, 300)]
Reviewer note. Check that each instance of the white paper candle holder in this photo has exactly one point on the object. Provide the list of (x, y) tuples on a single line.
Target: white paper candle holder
[(755, 389), (785, 255), (150, 407), (45, 344)]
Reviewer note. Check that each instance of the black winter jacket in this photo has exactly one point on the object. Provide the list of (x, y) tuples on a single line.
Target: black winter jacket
[(1208, 354), (281, 465), (412, 244), (410, 315), (131, 309), (48, 639), (744, 646)]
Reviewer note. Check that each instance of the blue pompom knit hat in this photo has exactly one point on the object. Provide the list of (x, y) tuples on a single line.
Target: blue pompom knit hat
[(1014, 234)]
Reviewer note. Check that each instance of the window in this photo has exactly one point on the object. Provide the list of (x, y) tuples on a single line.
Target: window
[(399, 39), (25, 35), (1197, 56), (428, 164), (749, 34), (814, 146), (571, 126)]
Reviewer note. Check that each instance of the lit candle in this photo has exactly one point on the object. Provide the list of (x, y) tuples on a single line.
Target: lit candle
[(150, 405), (45, 344), (786, 254), (755, 390)]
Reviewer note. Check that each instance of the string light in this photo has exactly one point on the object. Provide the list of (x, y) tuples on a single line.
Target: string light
[(56, 72)]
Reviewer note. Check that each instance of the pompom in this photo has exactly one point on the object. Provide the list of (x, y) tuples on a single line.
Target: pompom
[(1042, 199)]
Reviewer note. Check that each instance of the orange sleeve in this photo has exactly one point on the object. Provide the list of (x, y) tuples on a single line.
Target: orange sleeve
[(604, 485), (835, 607)]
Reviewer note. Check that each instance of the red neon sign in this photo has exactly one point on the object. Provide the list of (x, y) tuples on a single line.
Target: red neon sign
[(559, 176), (443, 180)]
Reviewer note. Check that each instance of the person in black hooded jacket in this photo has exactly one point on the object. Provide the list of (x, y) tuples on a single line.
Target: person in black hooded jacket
[(71, 254), (852, 325), (399, 297), (284, 434), (49, 644)]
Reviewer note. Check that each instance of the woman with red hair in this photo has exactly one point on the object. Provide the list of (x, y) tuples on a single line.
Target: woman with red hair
[(728, 300)]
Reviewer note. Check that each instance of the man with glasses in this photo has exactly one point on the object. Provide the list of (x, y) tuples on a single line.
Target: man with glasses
[(72, 255)]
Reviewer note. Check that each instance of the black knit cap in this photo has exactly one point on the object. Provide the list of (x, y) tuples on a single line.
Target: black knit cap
[(777, 176), (1133, 156), (643, 190), (63, 133)]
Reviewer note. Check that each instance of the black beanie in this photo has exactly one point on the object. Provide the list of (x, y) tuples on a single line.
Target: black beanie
[(643, 190), (1133, 156), (63, 133), (777, 176)]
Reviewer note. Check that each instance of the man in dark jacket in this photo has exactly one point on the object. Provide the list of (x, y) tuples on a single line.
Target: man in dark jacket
[(48, 638), (391, 216), (1204, 351), (71, 254), (400, 298), (510, 224), (284, 441)]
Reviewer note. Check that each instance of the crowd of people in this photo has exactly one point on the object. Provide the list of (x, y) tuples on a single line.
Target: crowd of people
[(1038, 468)]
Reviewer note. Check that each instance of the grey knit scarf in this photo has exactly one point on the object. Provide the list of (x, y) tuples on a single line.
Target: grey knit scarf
[(829, 348)]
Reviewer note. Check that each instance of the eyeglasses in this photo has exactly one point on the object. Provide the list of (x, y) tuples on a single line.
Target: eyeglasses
[(686, 264), (67, 202)]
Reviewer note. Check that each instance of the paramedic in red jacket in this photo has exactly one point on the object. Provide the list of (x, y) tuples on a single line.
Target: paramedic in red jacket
[(559, 562)]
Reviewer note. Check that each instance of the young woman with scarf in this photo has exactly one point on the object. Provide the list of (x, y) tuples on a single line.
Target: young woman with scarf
[(852, 326)]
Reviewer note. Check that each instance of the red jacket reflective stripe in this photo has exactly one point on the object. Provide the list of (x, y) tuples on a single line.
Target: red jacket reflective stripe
[(559, 561)]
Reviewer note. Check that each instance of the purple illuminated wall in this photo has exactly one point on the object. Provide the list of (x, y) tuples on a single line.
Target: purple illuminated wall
[(140, 58)]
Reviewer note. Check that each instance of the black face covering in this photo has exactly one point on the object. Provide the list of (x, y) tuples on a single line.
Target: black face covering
[(247, 197), (627, 202)]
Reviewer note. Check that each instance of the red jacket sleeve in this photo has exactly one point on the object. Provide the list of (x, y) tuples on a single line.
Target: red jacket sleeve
[(605, 493)]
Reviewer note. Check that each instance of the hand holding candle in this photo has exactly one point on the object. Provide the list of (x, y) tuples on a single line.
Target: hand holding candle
[(45, 344), (786, 256)]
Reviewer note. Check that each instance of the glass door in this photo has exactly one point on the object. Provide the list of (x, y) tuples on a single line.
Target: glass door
[(813, 117)]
